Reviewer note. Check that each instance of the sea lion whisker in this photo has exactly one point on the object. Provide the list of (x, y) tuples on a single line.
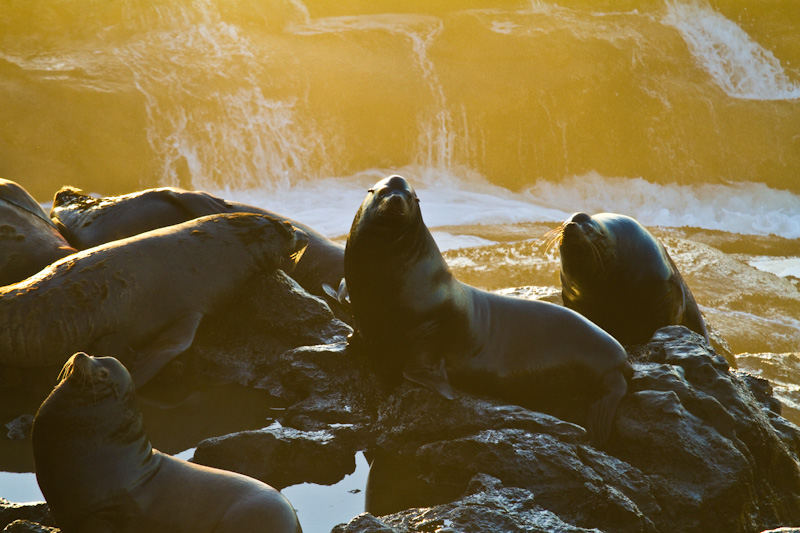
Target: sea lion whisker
[(597, 255), (66, 371), (554, 236)]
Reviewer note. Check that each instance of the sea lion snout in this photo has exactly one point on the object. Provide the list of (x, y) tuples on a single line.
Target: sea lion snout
[(577, 224), (580, 218), (395, 197), (395, 203), (79, 362)]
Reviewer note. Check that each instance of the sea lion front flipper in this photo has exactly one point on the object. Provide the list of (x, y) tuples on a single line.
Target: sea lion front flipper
[(429, 371), (170, 342), (339, 295), (600, 418), (425, 366), (198, 203)]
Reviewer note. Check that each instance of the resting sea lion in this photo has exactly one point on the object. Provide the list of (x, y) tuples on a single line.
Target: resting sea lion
[(99, 473), (618, 275), (87, 222), (29, 241), (414, 317), (146, 293)]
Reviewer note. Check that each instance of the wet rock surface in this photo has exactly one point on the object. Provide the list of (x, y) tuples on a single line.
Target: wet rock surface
[(269, 315), (696, 446), (488, 506), (26, 526), (29, 512)]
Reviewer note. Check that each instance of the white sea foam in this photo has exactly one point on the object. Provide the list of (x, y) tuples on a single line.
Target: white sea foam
[(739, 65), (449, 241), (329, 205), (783, 266), (743, 207)]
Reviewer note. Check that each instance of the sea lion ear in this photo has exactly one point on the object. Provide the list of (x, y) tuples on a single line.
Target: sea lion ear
[(421, 369)]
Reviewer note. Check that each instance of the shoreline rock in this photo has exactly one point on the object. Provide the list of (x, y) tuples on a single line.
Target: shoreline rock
[(696, 445)]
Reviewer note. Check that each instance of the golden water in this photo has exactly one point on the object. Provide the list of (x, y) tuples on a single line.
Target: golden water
[(113, 96)]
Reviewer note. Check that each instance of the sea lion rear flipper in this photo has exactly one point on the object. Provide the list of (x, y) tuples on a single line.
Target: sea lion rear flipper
[(170, 342), (199, 203), (429, 371)]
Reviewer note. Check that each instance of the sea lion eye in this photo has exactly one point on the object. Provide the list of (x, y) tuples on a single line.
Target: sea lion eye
[(371, 189)]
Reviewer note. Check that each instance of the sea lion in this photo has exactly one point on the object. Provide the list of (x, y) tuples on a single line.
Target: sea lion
[(99, 473), (29, 241), (618, 275), (86, 221), (143, 297), (414, 317)]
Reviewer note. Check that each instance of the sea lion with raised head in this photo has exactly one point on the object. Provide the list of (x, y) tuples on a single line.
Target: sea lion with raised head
[(140, 298), (99, 473), (29, 240), (618, 275), (415, 318), (86, 221)]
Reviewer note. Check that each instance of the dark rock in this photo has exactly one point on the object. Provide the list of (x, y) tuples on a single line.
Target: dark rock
[(572, 480), (322, 371), (696, 447), (283, 456), (20, 427), (244, 336), (364, 523), (413, 416), (34, 512), (24, 526), (488, 506)]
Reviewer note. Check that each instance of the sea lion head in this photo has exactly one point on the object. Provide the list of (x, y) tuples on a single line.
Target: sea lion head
[(72, 197), (584, 245), (94, 401), (72, 208), (102, 376), (389, 211), (608, 249)]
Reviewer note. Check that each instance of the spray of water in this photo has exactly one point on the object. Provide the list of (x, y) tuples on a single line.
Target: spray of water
[(212, 115), (737, 64)]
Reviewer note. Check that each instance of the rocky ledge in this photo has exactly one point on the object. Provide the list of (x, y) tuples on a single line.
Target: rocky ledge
[(696, 446)]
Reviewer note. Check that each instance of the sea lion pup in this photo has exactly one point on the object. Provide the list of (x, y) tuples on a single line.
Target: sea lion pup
[(414, 317), (87, 222), (29, 241), (99, 473), (144, 295), (618, 275)]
